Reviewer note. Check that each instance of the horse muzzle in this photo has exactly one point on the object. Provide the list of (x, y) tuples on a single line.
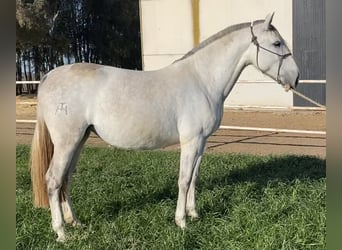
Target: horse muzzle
[(292, 85)]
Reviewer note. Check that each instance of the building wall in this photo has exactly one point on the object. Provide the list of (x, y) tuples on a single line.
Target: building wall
[(167, 28)]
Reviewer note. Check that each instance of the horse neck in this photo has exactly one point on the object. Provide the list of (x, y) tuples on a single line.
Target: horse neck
[(219, 64)]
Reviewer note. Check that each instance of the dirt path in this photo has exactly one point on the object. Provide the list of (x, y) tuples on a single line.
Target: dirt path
[(237, 141)]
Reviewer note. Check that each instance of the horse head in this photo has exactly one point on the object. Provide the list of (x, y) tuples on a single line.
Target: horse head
[(270, 54)]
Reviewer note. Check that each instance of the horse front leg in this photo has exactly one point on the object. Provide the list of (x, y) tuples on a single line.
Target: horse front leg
[(191, 201), (190, 154)]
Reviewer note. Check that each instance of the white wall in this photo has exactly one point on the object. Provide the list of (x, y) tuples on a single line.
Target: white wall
[(167, 34), (166, 27)]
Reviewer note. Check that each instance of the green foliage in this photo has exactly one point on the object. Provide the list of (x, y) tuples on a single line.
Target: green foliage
[(127, 200)]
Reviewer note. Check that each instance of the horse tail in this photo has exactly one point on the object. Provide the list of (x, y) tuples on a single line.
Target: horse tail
[(41, 155)]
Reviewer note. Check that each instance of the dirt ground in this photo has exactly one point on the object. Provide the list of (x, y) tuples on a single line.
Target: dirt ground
[(224, 140)]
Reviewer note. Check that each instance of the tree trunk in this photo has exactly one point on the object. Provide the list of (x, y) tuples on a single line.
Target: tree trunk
[(19, 73)]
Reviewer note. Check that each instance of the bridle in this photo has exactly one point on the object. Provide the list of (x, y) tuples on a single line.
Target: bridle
[(281, 56)]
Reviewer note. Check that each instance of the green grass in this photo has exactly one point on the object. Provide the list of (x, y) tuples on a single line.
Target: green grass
[(127, 200)]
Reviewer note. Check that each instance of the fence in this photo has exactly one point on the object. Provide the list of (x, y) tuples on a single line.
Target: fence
[(26, 87)]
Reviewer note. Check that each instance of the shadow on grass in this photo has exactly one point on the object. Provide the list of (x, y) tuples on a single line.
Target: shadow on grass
[(282, 169), (285, 169), (140, 201), (261, 174)]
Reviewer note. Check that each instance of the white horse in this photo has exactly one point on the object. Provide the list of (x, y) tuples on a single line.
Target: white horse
[(181, 103)]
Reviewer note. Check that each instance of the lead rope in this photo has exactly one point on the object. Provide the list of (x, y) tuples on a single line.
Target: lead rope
[(307, 98)]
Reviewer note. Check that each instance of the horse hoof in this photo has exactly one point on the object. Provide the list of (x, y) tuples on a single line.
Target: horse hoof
[(61, 238), (192, 213), (181, 223), (76, 223)]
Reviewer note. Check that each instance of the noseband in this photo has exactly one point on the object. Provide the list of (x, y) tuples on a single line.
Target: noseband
[(281, 56)]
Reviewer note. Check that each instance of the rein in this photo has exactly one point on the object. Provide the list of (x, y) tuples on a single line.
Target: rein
[(257, 44)]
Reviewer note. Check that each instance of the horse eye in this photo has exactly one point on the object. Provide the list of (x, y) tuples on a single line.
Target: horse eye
[(277, 43)]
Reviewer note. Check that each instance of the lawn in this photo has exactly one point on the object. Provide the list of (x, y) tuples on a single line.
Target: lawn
[(127, 200)]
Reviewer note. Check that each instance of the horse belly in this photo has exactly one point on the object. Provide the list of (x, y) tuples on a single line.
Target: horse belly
[(137, 135)]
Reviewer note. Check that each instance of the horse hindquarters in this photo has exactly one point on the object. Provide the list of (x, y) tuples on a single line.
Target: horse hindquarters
[(56, 145), (42, 151)]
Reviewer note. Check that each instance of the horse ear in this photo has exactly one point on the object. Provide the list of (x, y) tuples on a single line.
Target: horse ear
[(268, 21)]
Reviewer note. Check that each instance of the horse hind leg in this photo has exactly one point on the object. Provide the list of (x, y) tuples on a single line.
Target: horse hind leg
[(66, 204), (64, 150)]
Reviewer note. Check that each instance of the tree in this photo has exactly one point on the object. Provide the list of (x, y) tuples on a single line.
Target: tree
[(56, 32)]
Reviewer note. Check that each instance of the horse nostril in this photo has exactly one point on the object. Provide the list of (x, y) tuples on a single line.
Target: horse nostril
[(297, 80)]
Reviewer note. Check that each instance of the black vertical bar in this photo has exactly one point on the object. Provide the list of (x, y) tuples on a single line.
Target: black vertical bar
[(309, 48)]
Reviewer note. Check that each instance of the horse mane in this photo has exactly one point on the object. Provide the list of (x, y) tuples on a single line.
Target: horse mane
[(217, 36)]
